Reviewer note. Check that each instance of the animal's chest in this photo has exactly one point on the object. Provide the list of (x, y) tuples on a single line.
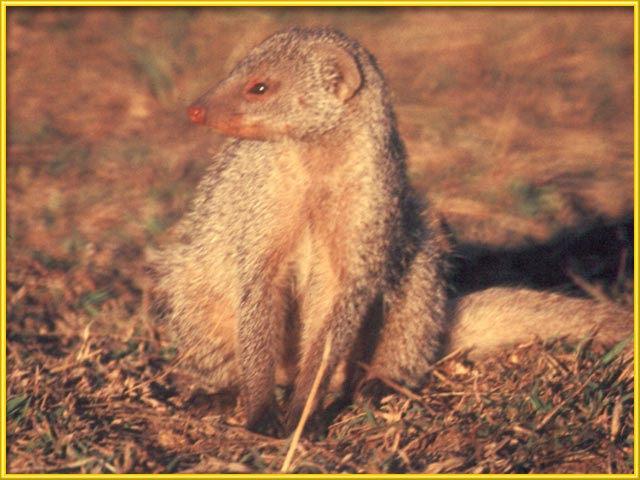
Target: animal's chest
[(320, 191), (321, 208)]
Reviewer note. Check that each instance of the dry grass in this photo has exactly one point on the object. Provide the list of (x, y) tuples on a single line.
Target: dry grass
[(519, 125)]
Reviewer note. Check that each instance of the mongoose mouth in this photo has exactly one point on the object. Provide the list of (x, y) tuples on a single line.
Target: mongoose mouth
[(231, 124), (237, 126)]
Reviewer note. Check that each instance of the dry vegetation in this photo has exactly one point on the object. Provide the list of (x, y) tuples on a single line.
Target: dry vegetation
[(519, 123)]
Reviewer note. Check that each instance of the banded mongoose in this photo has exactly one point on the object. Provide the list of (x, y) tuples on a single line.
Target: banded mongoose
[(305, 226)]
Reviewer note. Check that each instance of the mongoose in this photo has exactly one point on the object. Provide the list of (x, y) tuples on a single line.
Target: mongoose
[(305, 227)]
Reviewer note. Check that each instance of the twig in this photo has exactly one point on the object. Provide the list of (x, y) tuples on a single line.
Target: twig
[(557, 408), (394, 385), (590, 289), (616, 423), (307, 406)]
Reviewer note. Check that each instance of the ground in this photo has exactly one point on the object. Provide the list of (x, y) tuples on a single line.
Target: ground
[(519, 127)]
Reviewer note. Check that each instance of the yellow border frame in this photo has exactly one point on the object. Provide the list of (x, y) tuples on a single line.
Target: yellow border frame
[(319, 3), (291, 3), (3, 245)]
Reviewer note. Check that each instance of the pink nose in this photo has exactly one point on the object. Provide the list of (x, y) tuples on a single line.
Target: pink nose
[(197, 114)]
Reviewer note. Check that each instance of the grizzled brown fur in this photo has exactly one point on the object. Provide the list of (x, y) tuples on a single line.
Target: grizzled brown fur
[(305, 226)]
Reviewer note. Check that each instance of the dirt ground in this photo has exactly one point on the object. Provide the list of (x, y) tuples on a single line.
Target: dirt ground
[(519, 127)]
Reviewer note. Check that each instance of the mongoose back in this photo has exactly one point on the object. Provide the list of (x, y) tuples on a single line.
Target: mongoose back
[(305, 228)]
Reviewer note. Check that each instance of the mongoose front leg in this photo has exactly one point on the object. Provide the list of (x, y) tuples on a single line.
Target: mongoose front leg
[(415, 321), (341, 325), (257, 334)]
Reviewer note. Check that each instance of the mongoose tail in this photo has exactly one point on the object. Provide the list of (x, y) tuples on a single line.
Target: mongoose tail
[(486, 321)]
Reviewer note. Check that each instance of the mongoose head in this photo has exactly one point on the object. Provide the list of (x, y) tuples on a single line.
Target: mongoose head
[(296, 84)]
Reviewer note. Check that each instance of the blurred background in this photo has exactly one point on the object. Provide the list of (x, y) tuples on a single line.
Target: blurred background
[(518, 123)]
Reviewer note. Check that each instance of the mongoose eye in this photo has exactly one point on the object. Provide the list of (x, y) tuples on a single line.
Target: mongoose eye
[(259, 88)]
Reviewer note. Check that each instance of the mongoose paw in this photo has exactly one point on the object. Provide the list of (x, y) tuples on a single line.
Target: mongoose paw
[(315, 424), (202, 403), (292, 420), (266, 422), (371, 390)]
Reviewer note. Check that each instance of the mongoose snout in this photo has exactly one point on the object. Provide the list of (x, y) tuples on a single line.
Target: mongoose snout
[(197, 114)]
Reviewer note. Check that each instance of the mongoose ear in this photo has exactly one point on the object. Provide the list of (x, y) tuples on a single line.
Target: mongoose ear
[(344, 75)]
